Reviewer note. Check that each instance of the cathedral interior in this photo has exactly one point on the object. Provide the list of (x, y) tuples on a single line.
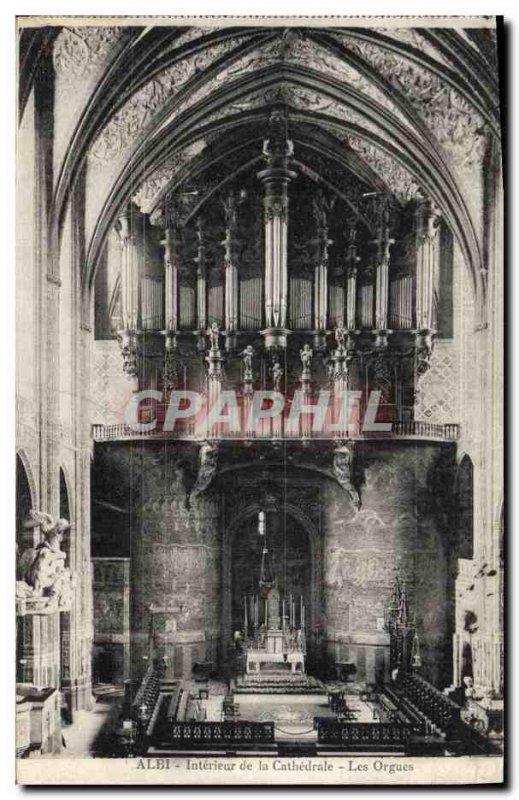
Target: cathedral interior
[(259, 310)]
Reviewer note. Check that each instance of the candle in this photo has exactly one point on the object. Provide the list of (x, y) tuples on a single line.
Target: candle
[(245, 620)]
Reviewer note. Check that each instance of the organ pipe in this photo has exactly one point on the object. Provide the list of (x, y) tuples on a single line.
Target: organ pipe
[(277, 150), (351, 275), (201, 279), (320, 212), (427, 219), (171, 247), (231, 267), (129, 274)]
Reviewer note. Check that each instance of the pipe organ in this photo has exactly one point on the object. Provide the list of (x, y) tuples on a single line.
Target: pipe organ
[(372, 275), (171, 246), (129, 274), (277, 150)]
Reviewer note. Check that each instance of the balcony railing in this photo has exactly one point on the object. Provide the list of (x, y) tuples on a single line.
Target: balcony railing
[(417, 429)]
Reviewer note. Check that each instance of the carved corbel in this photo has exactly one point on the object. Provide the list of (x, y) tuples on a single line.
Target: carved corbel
[(346, 470), (207, 469)]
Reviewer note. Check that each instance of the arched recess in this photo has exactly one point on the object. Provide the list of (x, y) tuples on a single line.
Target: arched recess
[(26, 498), (464, 509), (315, 584), (65, 511)]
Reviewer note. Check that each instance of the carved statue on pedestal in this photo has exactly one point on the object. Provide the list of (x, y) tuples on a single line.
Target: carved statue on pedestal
[(41, 570), (214, 337), (277, 376)]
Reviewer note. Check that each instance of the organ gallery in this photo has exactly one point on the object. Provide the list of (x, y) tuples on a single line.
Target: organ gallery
[(259, 489)]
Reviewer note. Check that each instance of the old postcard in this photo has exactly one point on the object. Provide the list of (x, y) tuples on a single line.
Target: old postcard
[(259, 387)]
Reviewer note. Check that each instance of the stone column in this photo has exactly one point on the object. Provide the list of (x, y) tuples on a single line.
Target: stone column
[(277, 151)]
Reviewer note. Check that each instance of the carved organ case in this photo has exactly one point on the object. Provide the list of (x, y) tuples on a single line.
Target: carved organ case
[(280, 248)]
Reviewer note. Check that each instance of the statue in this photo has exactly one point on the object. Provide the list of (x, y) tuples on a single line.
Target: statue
[(207, 468), (247, 356), (41, 570), (306, 355), (343, 469), (277, 376), (340, 338), (214, 337)]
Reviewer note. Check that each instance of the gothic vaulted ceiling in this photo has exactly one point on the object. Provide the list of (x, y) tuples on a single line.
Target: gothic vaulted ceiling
[(143, 112)]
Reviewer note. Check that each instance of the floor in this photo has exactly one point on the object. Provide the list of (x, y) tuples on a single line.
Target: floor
[(82, 737), (292, 715)]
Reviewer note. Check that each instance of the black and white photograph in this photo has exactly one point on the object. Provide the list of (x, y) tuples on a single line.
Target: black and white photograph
[(259, 401)]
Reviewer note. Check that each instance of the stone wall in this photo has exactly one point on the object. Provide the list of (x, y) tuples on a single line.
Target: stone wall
[(111, 583), (175, 556), (186, 551), (402, 525)]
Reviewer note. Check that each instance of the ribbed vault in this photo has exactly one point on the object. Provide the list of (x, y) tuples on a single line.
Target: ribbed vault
[(410, 111)]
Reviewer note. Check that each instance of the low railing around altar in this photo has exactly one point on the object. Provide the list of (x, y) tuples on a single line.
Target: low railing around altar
[(358, 735), (214, 733)]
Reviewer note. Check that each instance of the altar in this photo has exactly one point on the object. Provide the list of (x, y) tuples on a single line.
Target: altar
[(278, 643), (276, 650)]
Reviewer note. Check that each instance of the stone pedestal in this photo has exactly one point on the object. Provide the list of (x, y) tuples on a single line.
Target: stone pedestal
[(38, 642), (45, 724)]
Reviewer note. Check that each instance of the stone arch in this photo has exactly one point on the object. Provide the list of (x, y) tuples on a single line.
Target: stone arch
[(315, 575), (65, 506), (463, 522), (26, 498)]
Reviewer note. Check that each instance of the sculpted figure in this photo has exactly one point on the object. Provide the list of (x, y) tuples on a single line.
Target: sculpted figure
[(247, 356), (277, 376), (306, 356), (343, 470), (214, 336), (41, 569), (207, 469)]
